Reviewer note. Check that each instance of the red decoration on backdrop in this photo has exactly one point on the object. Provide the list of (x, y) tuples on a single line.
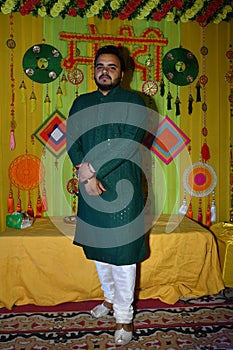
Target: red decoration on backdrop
[(151, 40)]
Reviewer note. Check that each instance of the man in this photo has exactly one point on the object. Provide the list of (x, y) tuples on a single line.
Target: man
[(104, 131)]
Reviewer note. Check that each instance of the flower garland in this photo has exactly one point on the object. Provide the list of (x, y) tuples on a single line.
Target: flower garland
[(202, 11), (9, 6)]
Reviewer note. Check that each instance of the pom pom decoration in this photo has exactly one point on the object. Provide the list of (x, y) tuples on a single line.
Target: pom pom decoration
[(205, 152), (12, 140)]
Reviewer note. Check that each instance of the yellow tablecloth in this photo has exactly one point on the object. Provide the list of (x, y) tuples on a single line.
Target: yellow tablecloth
[(39, 265)]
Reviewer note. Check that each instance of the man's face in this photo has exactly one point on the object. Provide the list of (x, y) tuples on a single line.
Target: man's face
[(107, 72)]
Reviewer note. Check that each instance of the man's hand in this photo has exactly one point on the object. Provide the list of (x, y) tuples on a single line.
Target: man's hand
[(85, 171), (94, 187)]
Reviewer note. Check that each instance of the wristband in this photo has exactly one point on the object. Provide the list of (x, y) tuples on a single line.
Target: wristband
[(89, 168), (86, 181)]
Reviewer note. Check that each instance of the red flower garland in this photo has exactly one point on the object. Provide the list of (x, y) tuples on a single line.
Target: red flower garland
[(81, 4), (166, 7), (28, 6), (209, 11), (129, 9)]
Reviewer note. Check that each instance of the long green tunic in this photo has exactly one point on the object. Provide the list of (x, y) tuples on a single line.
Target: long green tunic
[(107, 131)]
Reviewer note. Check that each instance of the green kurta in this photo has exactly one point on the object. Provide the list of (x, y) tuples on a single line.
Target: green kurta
[(107, 132)]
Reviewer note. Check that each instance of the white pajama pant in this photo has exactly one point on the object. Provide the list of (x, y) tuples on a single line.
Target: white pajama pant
[(118, 284)]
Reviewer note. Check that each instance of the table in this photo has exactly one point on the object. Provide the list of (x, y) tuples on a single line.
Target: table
[(40, 265)]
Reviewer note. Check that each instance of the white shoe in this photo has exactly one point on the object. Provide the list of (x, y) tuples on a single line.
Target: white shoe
[(100, 311), (123, 337)]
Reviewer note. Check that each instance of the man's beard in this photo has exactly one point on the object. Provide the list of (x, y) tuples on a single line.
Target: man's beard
[(108, 87)]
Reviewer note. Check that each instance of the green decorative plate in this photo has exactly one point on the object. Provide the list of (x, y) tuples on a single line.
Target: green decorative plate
[(180, 66), (42, 63)]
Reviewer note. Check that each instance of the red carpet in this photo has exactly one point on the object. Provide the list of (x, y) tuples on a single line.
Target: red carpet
[(205, 323)]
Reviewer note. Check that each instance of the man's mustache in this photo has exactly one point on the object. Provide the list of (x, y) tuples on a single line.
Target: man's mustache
[(105, 76)]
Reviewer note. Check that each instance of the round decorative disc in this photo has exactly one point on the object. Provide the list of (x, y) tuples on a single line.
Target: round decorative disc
[(150, 87), (42, 63), (199, 179), (26, 172), (75, 76), (180, 66), (72, 186)]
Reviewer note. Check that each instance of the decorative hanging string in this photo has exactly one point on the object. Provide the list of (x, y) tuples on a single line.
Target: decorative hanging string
[(229, 79), (11, 45), (205, 153)]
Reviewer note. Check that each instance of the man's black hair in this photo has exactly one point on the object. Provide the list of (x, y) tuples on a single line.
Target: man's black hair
[(114, 50)]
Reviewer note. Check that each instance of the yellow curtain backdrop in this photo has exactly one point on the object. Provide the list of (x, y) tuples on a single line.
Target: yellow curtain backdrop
[(29, 30)]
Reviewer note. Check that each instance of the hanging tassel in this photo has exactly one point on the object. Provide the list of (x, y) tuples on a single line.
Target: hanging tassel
[(199, 216), (208, 216), (190, 211), (169, 98), (30, 211), (23, 94), (59, 97), (11, 204), (18, 207), (44, 201), (198, 88), (177, 103), (184, 208), (47, 102), (39, 207), (162, 87), (33, 102), (190, 104), (12, 140), (205, 152), (213, 212), (63, 83)]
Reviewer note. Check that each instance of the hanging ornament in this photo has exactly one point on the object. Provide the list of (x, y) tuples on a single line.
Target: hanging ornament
[(18, 206), (205, 152), (190, 104), (198, 89), (23, 91), (169, 100), (33, 99), (11, 45), (39, 207), (199, 217), (180, 66), (44, 200), (162, 87), (76, 77), (42, 63), (177, 103), (59, 96), (213, 211), (184, 208), (150, 87), (47, 102), (30, 211), (11, 204), (208, 215), (72, 188), (199, 179), (190, 211), (63, 83)]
